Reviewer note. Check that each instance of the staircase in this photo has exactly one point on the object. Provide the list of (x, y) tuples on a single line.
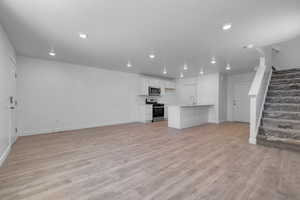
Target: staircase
[(280, 124)]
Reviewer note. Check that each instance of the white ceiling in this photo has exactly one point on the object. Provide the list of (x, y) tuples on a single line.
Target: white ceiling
[(177, 31)]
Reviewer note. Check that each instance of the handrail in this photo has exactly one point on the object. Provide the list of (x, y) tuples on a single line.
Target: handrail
[(258, 93), (256, 84)]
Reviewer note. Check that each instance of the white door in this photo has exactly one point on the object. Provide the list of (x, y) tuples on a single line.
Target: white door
[(12, 106), (7, 115), (12, 102), (241, 102)]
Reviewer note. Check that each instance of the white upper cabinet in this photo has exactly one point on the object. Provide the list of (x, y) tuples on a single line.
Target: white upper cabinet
[(170, 85), (154, 83), (146, 82), (162, 87), (143, 86)]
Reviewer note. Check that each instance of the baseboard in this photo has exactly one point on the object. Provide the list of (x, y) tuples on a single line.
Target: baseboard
[(252, 140), (4, 155), (213, 121), (56, 130)]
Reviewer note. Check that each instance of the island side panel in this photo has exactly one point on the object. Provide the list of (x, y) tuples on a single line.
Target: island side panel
[(193, 116), (174, 117)]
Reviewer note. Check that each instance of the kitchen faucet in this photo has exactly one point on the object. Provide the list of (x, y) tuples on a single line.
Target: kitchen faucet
[(192, 98)]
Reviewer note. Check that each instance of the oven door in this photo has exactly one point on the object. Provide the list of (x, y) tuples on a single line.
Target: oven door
[(158, 113), (154, 91)]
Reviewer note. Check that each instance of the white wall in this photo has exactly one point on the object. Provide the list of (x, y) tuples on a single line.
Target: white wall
[(56, 96), (169, 98), (223, 87), (288, 57), (186, 89), (207, 92), (6, 89), (214, 89), (244, 78)]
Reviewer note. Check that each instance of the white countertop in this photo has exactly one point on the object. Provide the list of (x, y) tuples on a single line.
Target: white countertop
[(192, 105)]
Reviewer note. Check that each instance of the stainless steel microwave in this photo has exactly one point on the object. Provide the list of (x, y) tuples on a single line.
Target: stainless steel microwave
[(152, 91)]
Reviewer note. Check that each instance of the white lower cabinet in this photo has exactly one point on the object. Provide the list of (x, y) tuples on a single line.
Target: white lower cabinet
[(145, 113), (166, 112)]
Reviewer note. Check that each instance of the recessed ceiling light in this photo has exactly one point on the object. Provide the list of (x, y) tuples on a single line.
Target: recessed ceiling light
[(228, 67), (129, 64), (185, 67), (52, 53), (249, 46), (181, 75), (165, 71), (213, 60), (83, 35), (227, 26), (152, 55)]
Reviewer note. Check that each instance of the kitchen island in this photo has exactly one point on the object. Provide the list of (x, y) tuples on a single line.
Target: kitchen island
[(185, 116)]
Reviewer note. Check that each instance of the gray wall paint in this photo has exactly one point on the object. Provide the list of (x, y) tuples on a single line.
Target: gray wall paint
[(57, 96), (289, 55), (6, 90)]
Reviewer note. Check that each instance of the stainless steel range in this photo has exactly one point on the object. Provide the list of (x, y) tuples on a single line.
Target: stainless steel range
[(158, 110)]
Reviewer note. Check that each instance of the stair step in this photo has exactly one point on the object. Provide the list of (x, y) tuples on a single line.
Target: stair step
[(291, 70), (285, 75), (282, 128), (282, 107), (280, 124), (286, 99), (276, 81), (292, 86), (284, 93), (282, 115), (281, 143)]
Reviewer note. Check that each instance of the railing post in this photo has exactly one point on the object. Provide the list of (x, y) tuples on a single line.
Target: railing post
[(253, 120)]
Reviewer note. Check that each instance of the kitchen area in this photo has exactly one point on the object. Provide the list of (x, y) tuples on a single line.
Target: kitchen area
[(174, 101), (155, 95)]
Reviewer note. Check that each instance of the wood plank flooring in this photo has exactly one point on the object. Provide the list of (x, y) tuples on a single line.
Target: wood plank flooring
[(149, 161)]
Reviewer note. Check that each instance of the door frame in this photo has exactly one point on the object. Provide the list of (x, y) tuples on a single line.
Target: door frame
[(12, 104)]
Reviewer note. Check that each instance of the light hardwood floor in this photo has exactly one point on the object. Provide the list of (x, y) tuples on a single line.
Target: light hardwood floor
[(149, 161)]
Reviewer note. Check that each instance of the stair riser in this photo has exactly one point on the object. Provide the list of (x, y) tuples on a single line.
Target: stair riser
[(278, 145), (283, 93), (283, 125), (285, 87), (283, 100), (284, 81), (279, 134), (275, 115), (287, 108)]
